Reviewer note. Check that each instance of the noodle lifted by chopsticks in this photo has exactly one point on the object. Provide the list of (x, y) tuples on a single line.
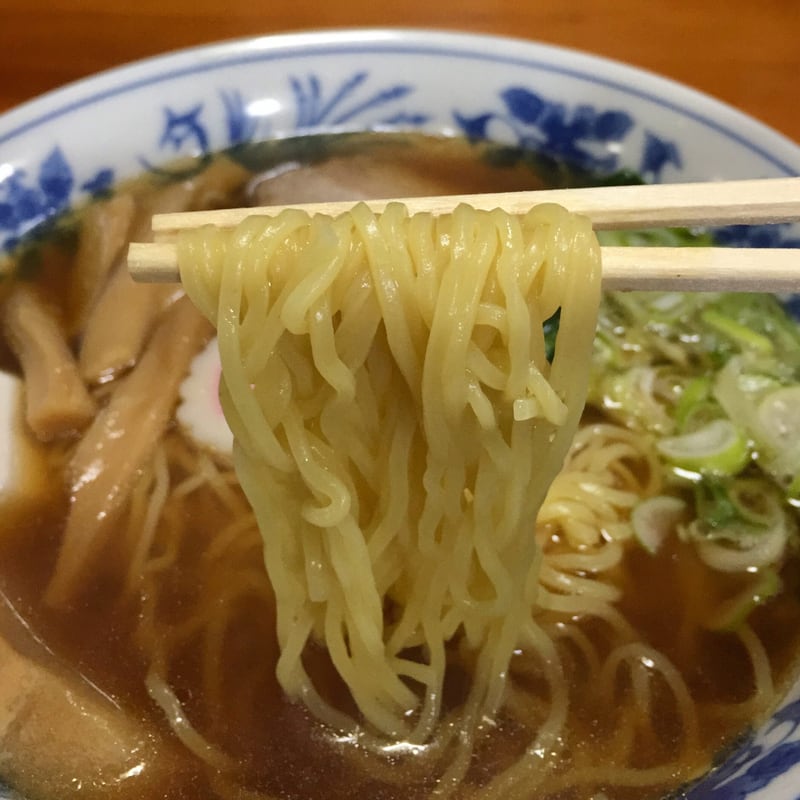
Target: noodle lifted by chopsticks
[(397, 425)]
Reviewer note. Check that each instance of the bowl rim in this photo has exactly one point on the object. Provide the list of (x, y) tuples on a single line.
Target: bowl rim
[(668, 93)]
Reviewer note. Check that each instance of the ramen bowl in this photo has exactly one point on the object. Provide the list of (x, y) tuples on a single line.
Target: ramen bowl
[(603, 117)]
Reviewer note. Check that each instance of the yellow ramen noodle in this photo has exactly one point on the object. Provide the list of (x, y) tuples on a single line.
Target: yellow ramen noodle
[(397, 425)]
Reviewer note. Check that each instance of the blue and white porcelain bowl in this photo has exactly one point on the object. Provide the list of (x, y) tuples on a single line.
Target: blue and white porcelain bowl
[(68, 145)]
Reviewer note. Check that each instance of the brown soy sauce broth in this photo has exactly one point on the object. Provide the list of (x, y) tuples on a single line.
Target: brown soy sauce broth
[(275, 745)]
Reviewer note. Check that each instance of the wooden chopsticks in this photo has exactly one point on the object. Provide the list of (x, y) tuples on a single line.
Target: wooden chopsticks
[(747, 202)]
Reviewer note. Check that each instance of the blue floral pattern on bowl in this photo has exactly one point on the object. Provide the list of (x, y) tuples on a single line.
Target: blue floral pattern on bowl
[(27, 202), (760, 760), (589, 138), (582, 135)]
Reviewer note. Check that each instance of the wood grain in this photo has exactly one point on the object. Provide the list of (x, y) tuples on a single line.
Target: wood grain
[(745, 53), (745, 202), (625, 269)]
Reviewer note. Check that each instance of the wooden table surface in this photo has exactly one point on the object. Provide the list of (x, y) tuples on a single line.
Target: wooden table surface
[(746, 53)]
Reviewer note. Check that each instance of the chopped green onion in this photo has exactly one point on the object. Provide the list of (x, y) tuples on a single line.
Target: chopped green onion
[(756, 502), (743, 548), (741, 524), (779, 415), (695, 392), (718, 448), (655, 518), (634, 391), (734, 330), (717, 376), (733, 613), (715, 509)]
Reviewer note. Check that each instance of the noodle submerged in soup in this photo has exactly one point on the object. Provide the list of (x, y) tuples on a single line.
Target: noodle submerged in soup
[(664, 617)]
